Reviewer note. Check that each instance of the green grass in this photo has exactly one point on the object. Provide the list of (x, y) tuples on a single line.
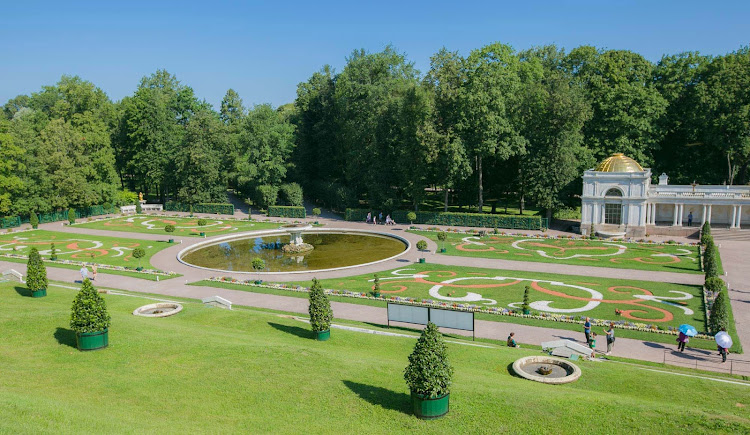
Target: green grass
[(113, 251), (514, 293), (212, 370), (184, 226), (580, 252), (132, 274)]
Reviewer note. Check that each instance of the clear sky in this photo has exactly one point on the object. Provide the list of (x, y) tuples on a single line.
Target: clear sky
[(264, 49)]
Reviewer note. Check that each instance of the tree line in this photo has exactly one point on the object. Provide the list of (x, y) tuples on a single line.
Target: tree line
[(496, 123)]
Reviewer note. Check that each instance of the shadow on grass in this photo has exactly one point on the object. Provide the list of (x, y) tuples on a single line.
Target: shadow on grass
[(23, 291), (381, 396), (294, 330), (66, 337)]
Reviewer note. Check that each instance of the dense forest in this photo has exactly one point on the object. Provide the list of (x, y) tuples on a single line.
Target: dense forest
[(498, 123)]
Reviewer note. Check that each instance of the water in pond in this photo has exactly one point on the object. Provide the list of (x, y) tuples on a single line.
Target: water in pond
[(533, 368), (331, 250)]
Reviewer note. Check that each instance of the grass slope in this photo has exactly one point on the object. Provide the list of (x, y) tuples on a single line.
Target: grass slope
[(641, 256), (210, 370)]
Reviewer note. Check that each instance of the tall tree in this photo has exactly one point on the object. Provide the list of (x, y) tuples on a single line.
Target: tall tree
[(487, 127), (10, 164), (199, 175)]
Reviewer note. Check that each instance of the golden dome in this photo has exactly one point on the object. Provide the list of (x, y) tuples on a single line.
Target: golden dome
[(619, 162)]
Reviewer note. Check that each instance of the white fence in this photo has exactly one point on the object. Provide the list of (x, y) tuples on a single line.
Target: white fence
[(125, 209)]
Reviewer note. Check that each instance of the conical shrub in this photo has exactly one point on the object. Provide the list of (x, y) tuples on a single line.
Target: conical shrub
[(429, 373), (89, 312), (36, 272)]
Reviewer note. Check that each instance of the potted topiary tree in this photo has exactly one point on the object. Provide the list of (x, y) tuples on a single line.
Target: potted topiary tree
[(72, 216), (34, 220), (138, 207), (525, 305), (429, 375), (36, 275), (710, 266), (422, 245), (442, 236), (89, 319), (52, 252), (376, 286), (169, 228), (139, 253), (411, 217), (320, 312)]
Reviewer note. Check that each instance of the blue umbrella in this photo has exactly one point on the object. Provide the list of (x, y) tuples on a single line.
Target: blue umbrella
[(688, 330)]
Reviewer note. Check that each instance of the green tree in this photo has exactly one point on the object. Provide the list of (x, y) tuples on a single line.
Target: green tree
[(36, 272), (486, 126), (11, 163), (232, 111), (169, 228), (258, 264), (139, 253), (89, 312), (710, 265), (706, 237), (71, 216), (34, 220), (429, 372), (321, 314), (719, 317), (198, 173), (292, 193)]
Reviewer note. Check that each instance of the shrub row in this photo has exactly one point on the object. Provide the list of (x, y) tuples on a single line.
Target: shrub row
[(719, 311), (56, 216), (458, 219), (267, 195), (289, 212), (200, 208)]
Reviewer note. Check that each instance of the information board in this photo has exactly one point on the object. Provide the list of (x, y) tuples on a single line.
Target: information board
[(408, 314), (421, 315)]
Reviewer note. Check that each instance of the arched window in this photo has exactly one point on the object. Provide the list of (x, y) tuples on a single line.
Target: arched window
[(614, 192)]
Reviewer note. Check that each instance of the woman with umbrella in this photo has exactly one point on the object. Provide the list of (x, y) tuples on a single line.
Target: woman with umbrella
[(686, 331), (723, 343)]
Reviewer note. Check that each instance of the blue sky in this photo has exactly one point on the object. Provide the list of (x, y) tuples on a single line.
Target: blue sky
[(264, 49)]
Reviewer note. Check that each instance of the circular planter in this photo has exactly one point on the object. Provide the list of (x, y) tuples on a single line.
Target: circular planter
[(39, 293), (92, 340), (323, 335), (422, 260), (430, 408), (526, 311), (442, 250), (377, 295)]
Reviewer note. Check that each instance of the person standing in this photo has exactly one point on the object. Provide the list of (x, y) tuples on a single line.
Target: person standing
[(587, 329), (84, 273), (690, 219), (380, 217), (682, 339), (93, 272), (610, 337)]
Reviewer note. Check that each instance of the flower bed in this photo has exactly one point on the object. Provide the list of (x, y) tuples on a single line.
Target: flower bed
[(620, 324)]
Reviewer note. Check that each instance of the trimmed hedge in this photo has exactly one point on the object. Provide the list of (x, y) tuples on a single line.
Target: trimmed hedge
[(266, 195), (458, 219), (289, 212), (200, 208), (719, 316), (56, 216)]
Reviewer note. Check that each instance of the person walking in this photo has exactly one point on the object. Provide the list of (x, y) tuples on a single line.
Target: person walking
[(93, 272), (682, 339), (84, 273), (610, 337), (587, 329), (723, 351)]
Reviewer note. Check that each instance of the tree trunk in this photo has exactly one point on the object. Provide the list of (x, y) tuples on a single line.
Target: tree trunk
[(445, 201), (481, 190), (520, 205), (730, 179), (549, 215)]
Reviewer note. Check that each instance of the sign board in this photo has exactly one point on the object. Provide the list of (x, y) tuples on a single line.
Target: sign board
[(453, 319)]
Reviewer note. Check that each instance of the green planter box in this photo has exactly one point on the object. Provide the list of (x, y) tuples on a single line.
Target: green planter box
[(170, 241), (442, 250), (428, 408), (377, 295), (203, 234), (39, 293), (323, 335), (92, 340), (422, 260)]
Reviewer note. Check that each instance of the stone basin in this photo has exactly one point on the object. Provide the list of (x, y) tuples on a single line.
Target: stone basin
[(562, 371), (161, 309)]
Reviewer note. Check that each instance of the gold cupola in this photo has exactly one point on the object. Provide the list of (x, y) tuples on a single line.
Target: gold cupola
[(619, 162)]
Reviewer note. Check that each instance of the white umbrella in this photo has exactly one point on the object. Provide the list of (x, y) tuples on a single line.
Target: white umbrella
[(723, 339)]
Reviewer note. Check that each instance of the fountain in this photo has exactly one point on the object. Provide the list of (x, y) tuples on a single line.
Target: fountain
[(296, 245), (162, 309), (547, 370)]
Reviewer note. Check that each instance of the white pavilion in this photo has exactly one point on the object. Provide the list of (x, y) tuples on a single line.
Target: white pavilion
[(618, 199)]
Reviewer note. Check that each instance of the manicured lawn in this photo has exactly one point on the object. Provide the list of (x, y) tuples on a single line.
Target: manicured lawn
[(475, 286), (81, 247), (184, 226), (616, 254), (208, 370)]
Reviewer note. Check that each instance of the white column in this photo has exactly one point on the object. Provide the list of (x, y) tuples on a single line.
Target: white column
[(703, 219), (648, 214), (602, 216), (653, 214), (674, 215), (739, 216), (680, 216), (734, 217), (710, 206)]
